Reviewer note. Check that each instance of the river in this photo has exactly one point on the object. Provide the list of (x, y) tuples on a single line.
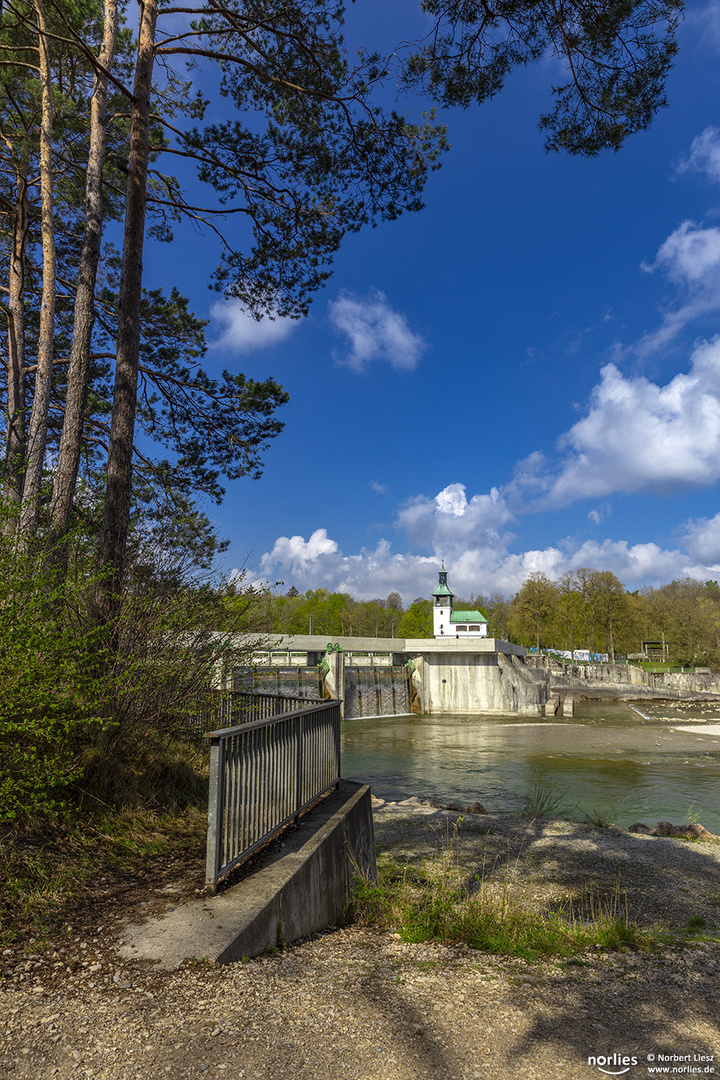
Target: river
[(609, 761)]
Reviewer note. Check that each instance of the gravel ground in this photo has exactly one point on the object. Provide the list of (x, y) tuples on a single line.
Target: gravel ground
[(358, 1004)]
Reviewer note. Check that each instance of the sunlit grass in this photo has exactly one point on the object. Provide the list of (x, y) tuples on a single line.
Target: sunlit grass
[(433, 900)]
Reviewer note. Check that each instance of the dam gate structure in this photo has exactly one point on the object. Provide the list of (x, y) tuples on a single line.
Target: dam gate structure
[(397, 676)]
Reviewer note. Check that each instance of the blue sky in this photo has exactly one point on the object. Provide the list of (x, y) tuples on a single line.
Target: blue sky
[(523, 377)]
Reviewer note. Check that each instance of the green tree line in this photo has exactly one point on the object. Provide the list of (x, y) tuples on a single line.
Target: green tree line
[(591, 609), (585, 609)]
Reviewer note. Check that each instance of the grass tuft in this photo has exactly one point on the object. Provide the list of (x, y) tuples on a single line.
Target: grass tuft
[(543, 800), (434, 901)]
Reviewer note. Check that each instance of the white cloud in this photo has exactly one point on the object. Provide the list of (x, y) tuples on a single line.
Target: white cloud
[(451, 524), (704, 155), (240, 333), (638, 435), (600, 512), (376, 486), (318, 562), (691, 259), (704, 23), (375, 332), (297, 553), (690, 254), (702, 540), (483, 567)]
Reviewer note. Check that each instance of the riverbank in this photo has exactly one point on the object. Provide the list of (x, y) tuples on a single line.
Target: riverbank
[(356, 1003)]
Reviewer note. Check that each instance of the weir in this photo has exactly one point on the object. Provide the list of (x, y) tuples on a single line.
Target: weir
[(397, 676), (376, 691)]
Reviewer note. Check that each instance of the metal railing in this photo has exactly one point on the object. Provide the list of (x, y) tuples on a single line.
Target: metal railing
[(251, 706), (264, 773), (216, 709)]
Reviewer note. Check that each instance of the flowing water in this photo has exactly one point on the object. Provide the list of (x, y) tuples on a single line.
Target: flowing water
[(376, 691), (658, 762)]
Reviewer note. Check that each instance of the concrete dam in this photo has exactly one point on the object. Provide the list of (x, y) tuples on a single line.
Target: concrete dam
[(396, 676)]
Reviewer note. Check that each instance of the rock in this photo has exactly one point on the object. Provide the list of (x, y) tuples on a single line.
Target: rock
[(696, 829), (434, 803), (476, 808), (663, 828), (680, 832), (638, 827), (456, 807)]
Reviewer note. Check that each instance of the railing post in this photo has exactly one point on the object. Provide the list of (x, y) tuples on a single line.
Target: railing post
[(300, 761), (213, 859)]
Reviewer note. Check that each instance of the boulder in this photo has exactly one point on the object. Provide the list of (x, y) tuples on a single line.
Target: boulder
[(476, 808), (696, 829), (663, 828), (638, 827)]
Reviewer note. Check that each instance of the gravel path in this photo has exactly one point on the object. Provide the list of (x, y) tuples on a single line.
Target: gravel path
[(354, 1003)]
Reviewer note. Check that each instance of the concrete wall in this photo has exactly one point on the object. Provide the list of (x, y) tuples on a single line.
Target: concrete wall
[(627, 679), (309, 889), (450, 678), (298, 889)]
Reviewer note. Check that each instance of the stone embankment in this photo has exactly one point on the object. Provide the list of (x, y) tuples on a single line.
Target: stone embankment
[(624, 681)]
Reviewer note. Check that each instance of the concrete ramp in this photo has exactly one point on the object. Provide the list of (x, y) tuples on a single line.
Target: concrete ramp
[(299, 888)]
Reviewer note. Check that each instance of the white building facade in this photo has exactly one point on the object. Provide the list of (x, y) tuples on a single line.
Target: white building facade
[(449, 623)]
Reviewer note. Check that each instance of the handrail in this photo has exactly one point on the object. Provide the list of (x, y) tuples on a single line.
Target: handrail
[(264, 774)]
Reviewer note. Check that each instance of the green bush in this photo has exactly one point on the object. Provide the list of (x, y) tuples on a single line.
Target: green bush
[(49, 701), (101, 712)]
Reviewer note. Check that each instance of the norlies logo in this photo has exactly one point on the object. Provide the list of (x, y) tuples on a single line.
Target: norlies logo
[(614, 1065)]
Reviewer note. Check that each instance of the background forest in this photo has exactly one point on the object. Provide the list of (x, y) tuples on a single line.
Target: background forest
[(585, 610)]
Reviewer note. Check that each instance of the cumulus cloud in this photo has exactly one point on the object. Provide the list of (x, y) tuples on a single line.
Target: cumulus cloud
[(702, 541), (638, 435), (690, 255), (319, 562), (240, 333), (704, 155), (485, 567), (452, 523), (376, 486), (374, 332)]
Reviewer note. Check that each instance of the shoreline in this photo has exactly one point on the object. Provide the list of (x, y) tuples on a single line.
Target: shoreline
[(434, 810)]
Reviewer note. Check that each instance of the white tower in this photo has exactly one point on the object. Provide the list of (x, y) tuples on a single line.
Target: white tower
[(442, 606)]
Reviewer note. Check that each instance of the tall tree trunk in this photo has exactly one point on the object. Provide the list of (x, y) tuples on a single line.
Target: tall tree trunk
[(116, 514), (37, 435), (71, 439), (15, 435)]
